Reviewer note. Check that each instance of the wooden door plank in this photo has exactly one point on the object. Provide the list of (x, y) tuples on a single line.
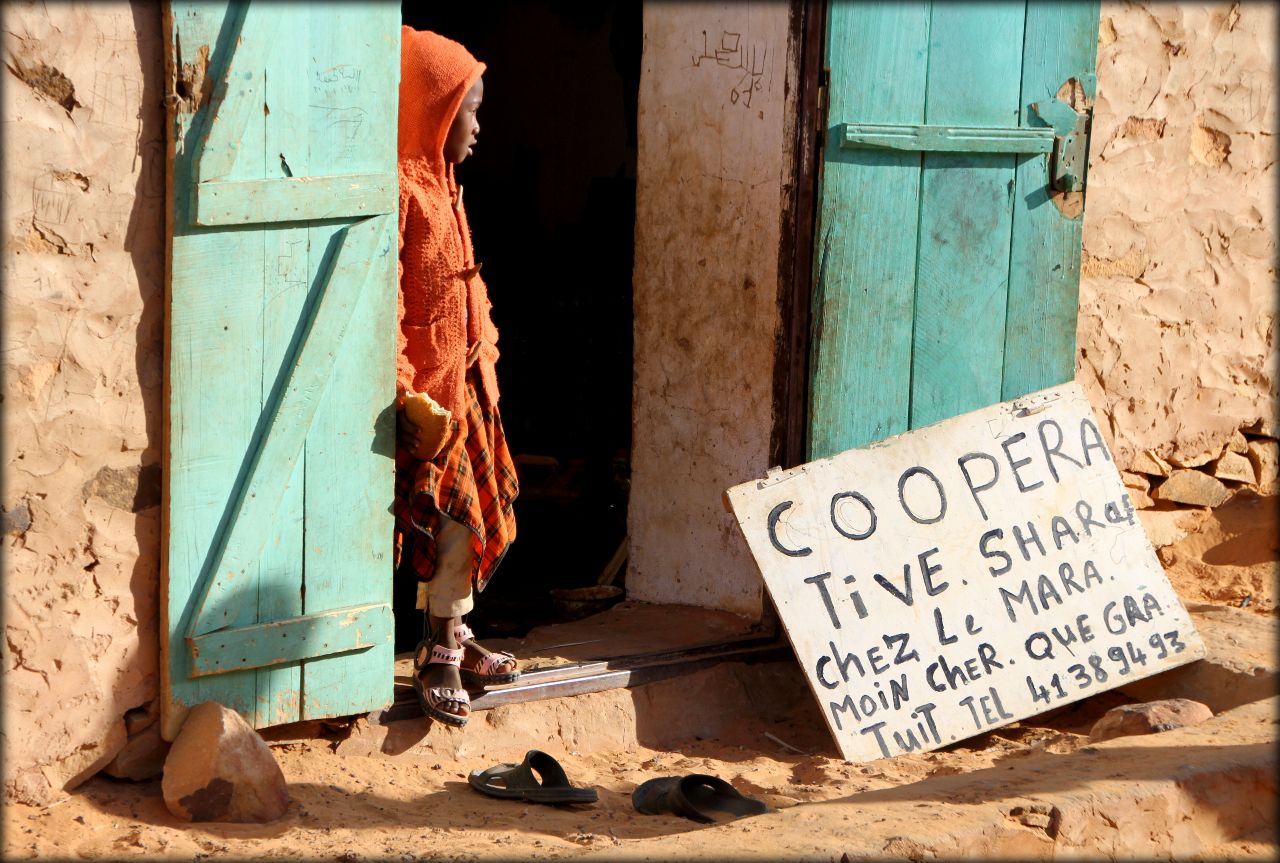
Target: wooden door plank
[(292, 199), (975, 57), (866, 235), (1044, 265), (237, 96), (214, 348), (352, 122), (266, 645), (287, 277)]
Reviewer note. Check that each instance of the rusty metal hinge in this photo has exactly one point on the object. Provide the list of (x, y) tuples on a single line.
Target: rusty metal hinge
[(1069, 160)]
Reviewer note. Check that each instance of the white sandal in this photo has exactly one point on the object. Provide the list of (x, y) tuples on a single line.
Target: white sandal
[(431, 698), (486, 673)]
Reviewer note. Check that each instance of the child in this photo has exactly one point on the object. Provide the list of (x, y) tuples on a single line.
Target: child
[(455, 481)]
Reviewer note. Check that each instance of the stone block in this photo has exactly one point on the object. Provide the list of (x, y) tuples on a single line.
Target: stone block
[(1136, 485), (1132, 480), (1268, 428), (142, 756), (1139, 498), (139, 719), (68, 773), (1151, 464), (1235, 467), (1191, 487), (1152, 717), (1200, 459), (219, 769), (1264, 456), (1166, 526), (1238, 443)]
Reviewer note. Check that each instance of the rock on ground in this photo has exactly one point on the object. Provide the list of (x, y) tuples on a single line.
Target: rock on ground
[(219, 769), (1264, 455), (142, 756), (1131, 719)]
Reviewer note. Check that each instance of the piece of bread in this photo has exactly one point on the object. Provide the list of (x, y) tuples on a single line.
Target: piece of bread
[(433, 423)]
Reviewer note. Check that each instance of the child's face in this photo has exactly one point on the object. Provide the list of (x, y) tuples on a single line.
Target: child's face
[(465, 127)]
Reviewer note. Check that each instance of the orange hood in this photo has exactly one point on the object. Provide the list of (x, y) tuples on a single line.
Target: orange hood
[(435, 74)]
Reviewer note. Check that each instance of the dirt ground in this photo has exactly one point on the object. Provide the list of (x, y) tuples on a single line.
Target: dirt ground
[(364, 792)]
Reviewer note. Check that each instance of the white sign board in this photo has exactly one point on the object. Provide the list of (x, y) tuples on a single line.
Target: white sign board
[(960, 577)]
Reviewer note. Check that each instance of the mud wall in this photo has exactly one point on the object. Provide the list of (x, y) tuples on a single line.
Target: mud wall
[(714, 154), (83, 273), (1178, 294)]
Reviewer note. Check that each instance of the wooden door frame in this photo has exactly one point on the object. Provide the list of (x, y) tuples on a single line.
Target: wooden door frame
[(789, 443)]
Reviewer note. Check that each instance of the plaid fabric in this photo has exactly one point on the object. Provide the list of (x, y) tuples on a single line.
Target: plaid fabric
[(473, 481)]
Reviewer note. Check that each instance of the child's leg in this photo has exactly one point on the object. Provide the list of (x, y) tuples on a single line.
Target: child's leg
[(450, 595), (448, 598)]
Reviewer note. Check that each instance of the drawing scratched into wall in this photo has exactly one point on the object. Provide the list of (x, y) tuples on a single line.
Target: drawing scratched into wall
[(732, 54)]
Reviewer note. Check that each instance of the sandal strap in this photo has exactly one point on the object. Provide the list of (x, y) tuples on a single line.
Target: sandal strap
[(462, 633), (491, 663), (437, 694), (441, 655)]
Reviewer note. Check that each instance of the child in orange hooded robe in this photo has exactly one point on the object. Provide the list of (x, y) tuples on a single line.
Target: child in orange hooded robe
[(454, 488)]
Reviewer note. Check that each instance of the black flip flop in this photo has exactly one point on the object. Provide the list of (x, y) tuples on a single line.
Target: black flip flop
[(700, 797), (518, 782)]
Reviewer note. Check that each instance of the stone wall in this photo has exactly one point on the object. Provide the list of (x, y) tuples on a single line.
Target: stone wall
[(1178, 297), (83, 313), (714, 155)]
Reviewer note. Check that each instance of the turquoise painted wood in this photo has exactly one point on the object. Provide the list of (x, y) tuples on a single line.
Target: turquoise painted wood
[(864, 294), (966, 203), (1044, 264), (945, 277), (280, 371)]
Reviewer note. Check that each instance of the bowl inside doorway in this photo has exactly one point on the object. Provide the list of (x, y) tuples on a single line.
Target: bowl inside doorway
[(573, 603)]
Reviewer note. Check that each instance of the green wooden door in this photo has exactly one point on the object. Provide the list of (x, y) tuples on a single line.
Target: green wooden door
[(947, 258), (280, 358)]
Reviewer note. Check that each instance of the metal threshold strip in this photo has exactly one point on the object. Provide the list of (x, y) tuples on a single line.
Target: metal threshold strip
[(580, 678)]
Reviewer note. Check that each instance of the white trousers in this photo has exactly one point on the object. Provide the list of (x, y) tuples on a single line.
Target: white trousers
[(449, 593)]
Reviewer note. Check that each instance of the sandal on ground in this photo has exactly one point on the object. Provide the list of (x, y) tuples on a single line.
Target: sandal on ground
[(486, 673), (433, 698), (518, 782), (699, 797)]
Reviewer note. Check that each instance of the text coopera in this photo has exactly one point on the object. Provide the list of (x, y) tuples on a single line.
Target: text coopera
[(1023, 464)]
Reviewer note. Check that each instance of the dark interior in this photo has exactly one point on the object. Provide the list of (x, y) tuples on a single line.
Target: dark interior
[(550, 195)]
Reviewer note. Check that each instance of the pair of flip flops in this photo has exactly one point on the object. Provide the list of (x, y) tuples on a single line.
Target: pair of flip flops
[(698, 796)]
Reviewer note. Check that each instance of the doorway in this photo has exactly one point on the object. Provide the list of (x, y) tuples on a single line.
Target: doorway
[(550, 197)]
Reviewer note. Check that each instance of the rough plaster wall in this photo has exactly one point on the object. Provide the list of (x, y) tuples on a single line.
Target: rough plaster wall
[(712, 163), (1178, 297), (83, 274)]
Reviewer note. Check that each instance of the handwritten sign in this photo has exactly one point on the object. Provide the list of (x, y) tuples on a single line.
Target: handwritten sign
[(959, 577)]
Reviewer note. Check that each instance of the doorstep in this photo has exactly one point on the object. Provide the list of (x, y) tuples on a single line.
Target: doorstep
[(629, 645)]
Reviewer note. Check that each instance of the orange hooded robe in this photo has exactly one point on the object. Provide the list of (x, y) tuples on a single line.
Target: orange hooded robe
[(444, 316)]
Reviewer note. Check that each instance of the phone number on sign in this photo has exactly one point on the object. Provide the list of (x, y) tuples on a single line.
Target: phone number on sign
[(1093, 670)]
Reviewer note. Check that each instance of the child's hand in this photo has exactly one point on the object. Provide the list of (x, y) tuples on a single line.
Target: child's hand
[(408, 434), (423, 427)]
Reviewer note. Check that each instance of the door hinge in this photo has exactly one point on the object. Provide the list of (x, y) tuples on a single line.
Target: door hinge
[(820, 114)]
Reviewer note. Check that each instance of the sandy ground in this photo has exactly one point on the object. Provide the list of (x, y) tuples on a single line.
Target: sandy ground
[(362, 792), (1233, 556)]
